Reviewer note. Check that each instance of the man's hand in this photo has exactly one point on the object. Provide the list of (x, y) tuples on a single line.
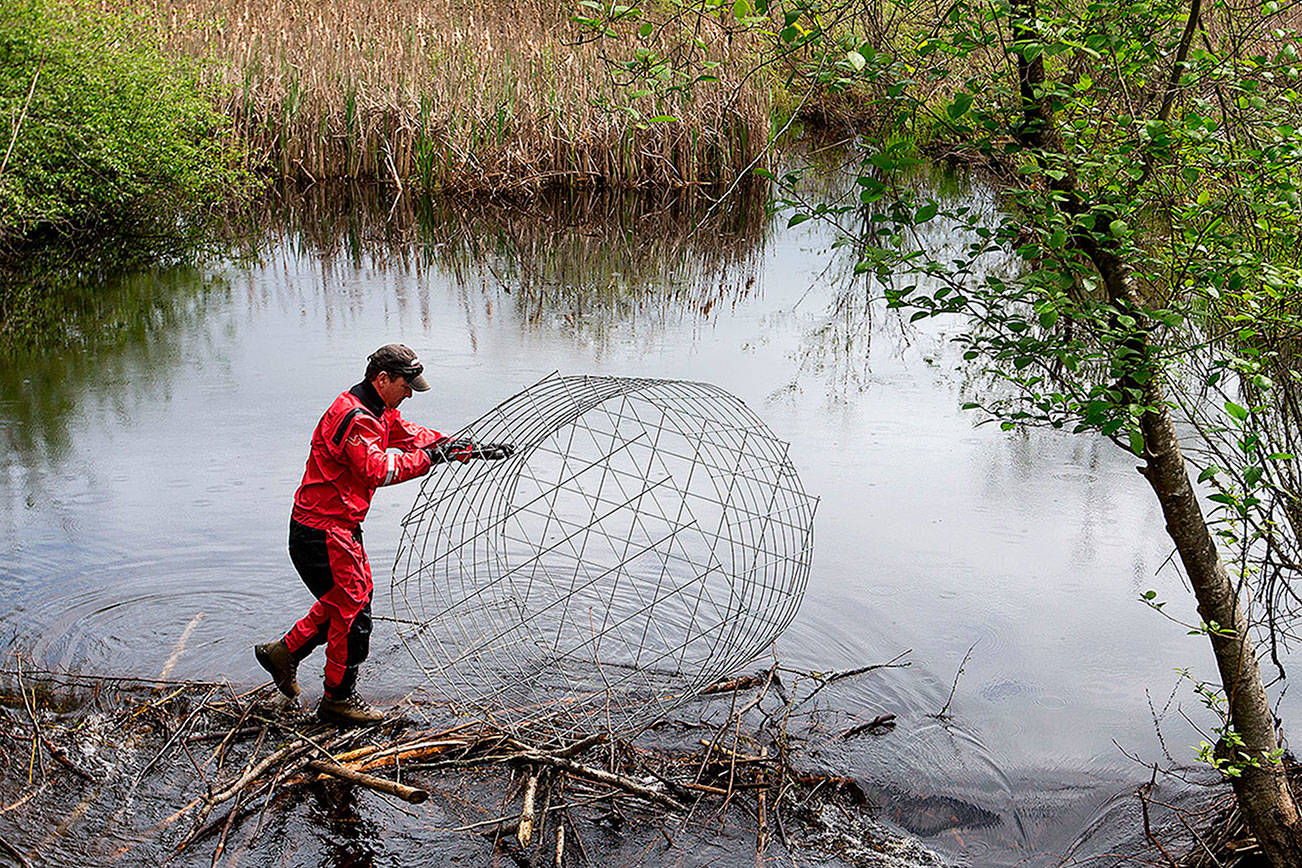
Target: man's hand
[(493, 451), (450, 450)]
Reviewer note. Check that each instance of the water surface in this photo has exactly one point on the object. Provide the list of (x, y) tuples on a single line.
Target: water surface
[(150, 459)]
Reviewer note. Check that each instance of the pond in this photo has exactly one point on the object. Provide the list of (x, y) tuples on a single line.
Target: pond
[(153, 442)]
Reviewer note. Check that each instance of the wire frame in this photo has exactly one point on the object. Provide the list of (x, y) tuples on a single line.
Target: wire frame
[(647, 538)]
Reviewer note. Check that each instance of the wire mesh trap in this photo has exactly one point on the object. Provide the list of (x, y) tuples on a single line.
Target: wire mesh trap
[(646, 538)]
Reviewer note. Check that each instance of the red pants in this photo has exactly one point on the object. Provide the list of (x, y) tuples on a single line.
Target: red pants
[(333, 565)]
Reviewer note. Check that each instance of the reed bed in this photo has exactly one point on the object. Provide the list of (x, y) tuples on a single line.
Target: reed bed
[(456, 95)]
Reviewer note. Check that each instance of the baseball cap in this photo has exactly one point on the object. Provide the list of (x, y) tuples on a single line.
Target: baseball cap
[(400, 361)]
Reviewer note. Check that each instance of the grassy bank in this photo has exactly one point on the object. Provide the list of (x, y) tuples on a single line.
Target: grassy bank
[(448, 94)]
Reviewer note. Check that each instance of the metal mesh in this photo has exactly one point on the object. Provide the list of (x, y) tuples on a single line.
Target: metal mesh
[(647, 538)]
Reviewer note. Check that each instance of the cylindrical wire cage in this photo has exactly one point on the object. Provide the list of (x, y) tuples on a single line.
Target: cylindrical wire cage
[(646, 538)]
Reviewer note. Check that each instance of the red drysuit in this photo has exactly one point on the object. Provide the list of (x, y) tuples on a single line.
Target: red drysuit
[(347, 462)]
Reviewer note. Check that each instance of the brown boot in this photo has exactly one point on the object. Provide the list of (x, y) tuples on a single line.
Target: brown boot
[(276, 659), (350, 710)]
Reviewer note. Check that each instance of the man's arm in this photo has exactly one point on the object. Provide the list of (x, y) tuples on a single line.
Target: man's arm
[(407, 436), (362, 451)]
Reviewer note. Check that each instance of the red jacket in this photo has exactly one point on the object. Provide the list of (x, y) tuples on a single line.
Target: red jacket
[(349, 458)]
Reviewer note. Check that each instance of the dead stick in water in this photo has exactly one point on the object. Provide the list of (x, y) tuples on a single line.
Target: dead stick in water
[(524, 832), (824, 681), (180, 647), (59, 754), (762, 833), (255, 772), (743, 682), (36, 724), (412, 795), (600, 776), (415, 752), (881, 721), (226, 830), (541, 831), (511, 819)]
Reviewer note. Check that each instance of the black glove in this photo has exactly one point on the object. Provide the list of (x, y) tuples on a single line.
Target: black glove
[(450, 450), (493, 451)]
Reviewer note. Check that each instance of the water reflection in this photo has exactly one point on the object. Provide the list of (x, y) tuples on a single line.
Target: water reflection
[(108, 337), (587, 259), (154, 445)]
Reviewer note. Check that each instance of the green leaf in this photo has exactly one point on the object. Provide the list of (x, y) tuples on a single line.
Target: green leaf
[(1137, 441), (663, 119), (796, 220), (962, 102), (645, 30), (742, 10), (1236, 411), (926, 212), (1208, 473)]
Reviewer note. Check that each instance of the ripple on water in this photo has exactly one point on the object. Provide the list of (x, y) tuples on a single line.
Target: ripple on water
[(939, 781)]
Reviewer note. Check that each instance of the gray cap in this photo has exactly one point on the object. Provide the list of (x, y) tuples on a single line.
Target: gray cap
[(400, 360)]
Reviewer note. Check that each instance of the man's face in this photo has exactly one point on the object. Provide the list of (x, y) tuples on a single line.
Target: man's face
[(393, 389)]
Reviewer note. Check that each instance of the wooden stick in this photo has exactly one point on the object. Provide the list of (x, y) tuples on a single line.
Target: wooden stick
[(412, 795), (545, 783), (180, 646), (762, 833), (511, 818), (255, 772), (601, 776), (226, 830), (419, 750), (59, 754), (881, 721), (36, 724), (742, 683), (524, 832)]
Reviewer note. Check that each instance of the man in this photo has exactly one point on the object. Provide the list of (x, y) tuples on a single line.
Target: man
[(349, 459)]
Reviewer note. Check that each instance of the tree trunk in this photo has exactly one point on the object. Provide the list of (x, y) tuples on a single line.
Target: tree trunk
[(1262, 789)]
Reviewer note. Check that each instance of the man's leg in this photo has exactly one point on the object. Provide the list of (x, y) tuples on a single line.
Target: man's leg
[(308, 552), (344, 602), (349, 631), (311, 557)]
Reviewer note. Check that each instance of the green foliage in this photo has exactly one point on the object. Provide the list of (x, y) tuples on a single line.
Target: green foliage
[(1224, 749), (1144, 251), (1187, 175), (101, 128)]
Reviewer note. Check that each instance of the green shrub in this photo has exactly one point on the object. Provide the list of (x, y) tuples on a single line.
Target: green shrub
[(99, 128)]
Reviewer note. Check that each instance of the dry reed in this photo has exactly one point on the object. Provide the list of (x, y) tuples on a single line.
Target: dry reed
[(455, 95)]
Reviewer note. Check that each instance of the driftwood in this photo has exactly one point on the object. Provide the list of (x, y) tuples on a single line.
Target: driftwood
[(412, 795), (263, 752), (877, 724), (601, 776)]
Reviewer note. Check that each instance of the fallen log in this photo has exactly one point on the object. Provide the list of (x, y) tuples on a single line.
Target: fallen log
[(408, 794)]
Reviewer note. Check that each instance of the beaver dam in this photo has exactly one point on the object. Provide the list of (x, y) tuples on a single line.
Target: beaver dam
[(130, 772)]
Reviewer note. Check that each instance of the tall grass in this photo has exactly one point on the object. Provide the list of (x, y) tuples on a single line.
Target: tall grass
[(450, 94)]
